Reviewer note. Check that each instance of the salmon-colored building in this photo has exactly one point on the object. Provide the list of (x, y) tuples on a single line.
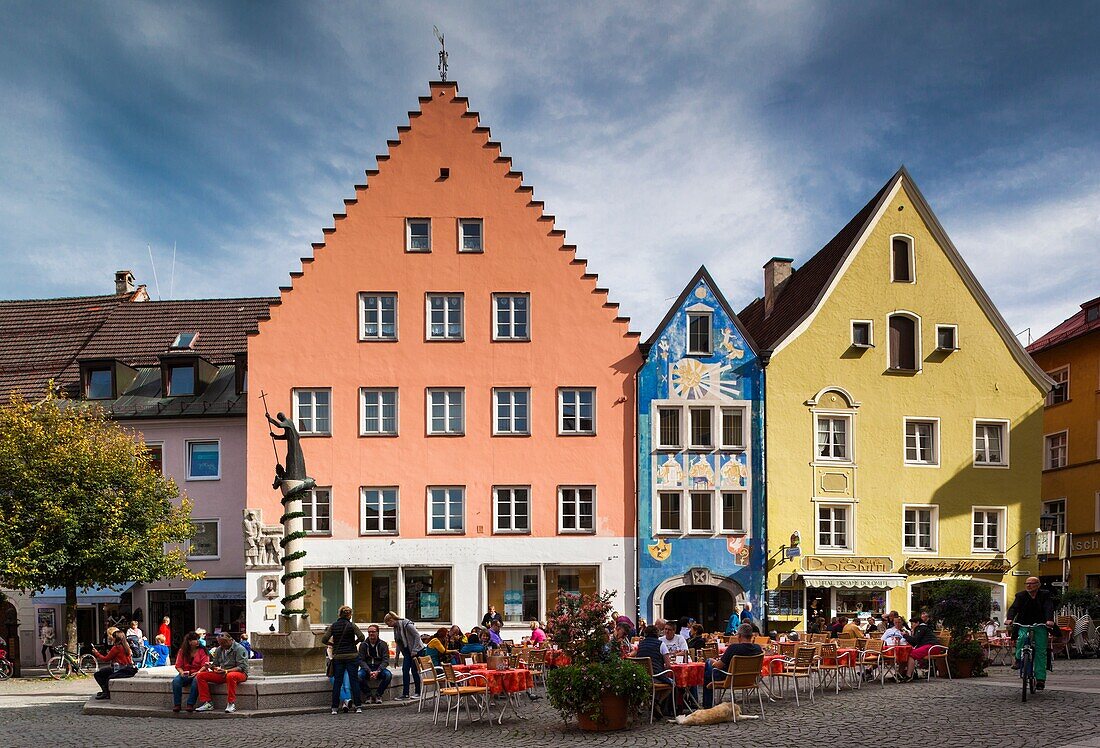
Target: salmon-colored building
[(464, 391)]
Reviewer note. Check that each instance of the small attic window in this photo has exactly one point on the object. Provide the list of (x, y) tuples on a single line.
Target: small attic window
[(1092, 313), (184, 341)]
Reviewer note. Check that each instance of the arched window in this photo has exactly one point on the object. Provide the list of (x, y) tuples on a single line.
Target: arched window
[(904, 342), (901, 259)]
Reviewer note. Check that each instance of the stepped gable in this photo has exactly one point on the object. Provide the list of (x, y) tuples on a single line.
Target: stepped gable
[(444, 101)]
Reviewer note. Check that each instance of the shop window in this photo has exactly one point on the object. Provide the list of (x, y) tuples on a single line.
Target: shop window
[(373, 594), (514, 592), (428, 594), (324, 590), (853, 603), (577, 580)]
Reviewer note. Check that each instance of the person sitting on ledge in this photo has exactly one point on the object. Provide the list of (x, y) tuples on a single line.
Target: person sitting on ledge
[(229, 665), (374, 654), (161, 650), (119, 655), (189, 661)]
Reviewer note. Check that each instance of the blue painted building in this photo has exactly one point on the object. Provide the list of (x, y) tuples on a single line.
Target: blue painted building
[(700, 460)]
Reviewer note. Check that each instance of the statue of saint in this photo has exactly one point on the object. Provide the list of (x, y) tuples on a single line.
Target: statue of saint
[(253, 531), (292, 477)]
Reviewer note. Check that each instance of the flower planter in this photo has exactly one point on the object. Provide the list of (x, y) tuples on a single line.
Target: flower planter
[(613, 714), (959, 669)]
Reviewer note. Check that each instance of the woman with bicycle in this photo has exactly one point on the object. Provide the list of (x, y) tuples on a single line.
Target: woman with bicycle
[(1030, 607), (118, 663)]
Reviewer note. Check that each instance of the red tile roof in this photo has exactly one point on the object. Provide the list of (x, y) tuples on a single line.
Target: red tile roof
[(1072, 328)]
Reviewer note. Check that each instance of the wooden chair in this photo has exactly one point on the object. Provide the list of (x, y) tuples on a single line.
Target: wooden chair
[(828, 665), (430, 675), (888, 665), (762, 641), (459, 689), (938, 654), (744, 676), (535, 660), (802, 665), (869, 658), (667, 690)]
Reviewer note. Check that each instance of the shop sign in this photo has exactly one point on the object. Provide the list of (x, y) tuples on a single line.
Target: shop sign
[(1085, 544), (849, 564), (956, 566)]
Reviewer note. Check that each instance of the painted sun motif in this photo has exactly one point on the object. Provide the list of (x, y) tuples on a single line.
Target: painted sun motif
[(692, 379)]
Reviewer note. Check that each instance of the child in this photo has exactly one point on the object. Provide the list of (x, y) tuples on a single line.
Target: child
[(161, 650), (247, 645)]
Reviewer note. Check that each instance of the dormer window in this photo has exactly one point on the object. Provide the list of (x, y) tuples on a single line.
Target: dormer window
[(1092, 313), (100, 384), (185, 341), (181, 380), (105, 378)]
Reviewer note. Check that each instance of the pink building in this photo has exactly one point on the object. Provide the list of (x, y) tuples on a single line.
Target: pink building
[(464, 392)]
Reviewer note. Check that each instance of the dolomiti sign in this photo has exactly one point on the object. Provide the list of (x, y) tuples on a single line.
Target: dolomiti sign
[(849, 564), (956, 566)]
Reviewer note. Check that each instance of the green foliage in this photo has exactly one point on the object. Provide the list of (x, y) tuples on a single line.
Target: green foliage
[(577, 689), (580, 625), (961, 605), (80, 502), (1081, 598)]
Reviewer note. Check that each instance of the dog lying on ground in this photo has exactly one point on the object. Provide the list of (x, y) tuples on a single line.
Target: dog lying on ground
[(724, 712)]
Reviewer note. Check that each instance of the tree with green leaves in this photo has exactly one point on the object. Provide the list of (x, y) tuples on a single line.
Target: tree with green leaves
[(82, 505)]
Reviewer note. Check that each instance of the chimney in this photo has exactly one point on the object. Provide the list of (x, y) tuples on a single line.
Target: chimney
[(124, 282), (776, 272)]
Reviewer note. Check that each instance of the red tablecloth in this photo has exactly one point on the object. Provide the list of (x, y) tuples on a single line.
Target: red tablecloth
[(509, 681), (469, 668), (900, 652), (687, 674), (557, 658), (772, 664), (845, 657)]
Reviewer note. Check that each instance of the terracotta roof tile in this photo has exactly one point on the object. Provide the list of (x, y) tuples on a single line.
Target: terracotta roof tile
[(1072, 328)]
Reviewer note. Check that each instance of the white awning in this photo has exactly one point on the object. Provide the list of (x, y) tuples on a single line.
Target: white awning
[(852, 581)]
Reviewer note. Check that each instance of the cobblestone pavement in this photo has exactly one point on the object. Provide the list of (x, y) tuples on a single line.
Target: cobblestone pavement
[(976, 713)]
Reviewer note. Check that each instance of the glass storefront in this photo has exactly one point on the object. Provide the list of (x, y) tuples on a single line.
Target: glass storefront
[(324, 595), (573, 579), (856, 603), (514, 592), (373, 594), (428, 594)]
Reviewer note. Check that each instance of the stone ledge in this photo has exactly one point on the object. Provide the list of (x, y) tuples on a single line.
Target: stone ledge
[(108, 708)]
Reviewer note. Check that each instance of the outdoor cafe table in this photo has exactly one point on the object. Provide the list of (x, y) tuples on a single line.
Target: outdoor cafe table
[(773, 663), (510, 683), (688, 674)]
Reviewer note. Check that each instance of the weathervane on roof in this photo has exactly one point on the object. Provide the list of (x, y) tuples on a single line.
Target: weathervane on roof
[(442, 55)]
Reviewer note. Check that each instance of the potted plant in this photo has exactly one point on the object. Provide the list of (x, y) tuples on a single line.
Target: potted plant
[(962, 606), (599, 688)]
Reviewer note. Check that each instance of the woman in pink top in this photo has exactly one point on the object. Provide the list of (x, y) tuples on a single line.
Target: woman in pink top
[(190, 660), (538, 636)]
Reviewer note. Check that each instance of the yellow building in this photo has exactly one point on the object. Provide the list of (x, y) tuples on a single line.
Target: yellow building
[(903, 420), (1070, 355)]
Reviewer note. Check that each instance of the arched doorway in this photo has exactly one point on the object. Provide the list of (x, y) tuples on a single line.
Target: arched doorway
[(710, 606)]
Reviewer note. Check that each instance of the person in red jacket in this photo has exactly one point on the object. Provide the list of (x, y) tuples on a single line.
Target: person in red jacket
[(166, 631), (118, 664)]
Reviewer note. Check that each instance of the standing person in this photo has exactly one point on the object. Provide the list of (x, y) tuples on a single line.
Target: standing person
[(118, 664), (747, 617), (190, 660), (202, 637), (165, 630), (48, 639), (229, 665), (734, 621), (624, 620), (409, 646), (490, 616), (344, 637), (374, 656), (1029, 607)]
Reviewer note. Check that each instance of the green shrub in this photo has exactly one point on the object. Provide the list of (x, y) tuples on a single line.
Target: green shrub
[(577, 689)]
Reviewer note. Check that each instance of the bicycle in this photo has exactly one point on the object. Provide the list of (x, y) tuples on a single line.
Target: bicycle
[(65, 663), (5, 665), (1027, 658)]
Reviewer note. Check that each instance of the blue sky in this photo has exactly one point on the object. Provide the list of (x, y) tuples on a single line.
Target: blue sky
[(656, 133)]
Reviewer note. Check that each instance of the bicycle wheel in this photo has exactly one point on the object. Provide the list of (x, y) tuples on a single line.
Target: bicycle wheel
[(1025, 672), (5, 669), (88, 664), (57, 667)]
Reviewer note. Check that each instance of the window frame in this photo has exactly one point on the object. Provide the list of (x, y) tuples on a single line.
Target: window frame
[(933, 529), (1004, 424), (562, 530), (870, 333), (1061, 500), (187, 454), (218, 531), (311, 514), (294, 406), (912, 254), (171, 367), (512, 407), (662, 529), (380, 337), (428, 337), (692, 444), (462, 516), (746, 513), (447, 413), (722, 444), (710, 333), (158, 446), (497, 530), (954, 338), (496, 295), (1063, 384), (1002, 513), (660, 446), (561, 412), (363, 531), (1047, 462), (935, 423), (849, 437), (690, 511), (849, 527), (409, 221), (381, 420), (92, 370), (918, 343), (462, 223)]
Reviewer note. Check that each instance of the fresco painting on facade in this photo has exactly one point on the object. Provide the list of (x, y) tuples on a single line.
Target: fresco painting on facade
[(701, 504)]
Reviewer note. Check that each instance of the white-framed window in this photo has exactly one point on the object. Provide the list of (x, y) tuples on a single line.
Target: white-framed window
[(1060, 392), (471, 235), (446, 510), (733, 428), (919, 528), (313, 410), (378, 411), (988, 529), (700, 340), (701, 512), (446, 411), (902, 268), (511, 510), (863, 333), (905, 342), (444, 316), (834, 437), (204, 460), (576, 509), (701, 428), (733, 517), (922, 441), (377, 316), (833, 527), (511, 411), (577, 411), (1056, 449), (511, 316), (1056, 508), (668, 427), (378, 510), (991, 443), (205, 544), (947, 337), (418, 235), (669, 512), (317, 506)]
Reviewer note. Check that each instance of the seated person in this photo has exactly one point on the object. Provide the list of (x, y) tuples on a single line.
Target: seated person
[(742, 647), (374, 661), (893, 635), (672, 642), (456, 639), (119, 655), (650, 646), (922, 640), (437, 645), (697, 640), (837, 626), (228, 665), (494, 633), (852, 630), (190, 660), (161, 651), (620, 640)]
